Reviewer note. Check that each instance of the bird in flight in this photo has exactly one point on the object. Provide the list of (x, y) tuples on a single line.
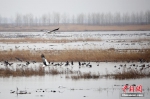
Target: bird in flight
[(45, 62), (47, 31)]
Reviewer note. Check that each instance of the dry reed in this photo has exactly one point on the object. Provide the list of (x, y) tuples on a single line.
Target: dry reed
[(40, 71), (75, 55), (42, 40), (6, 72), (130, 74), (85, 76)]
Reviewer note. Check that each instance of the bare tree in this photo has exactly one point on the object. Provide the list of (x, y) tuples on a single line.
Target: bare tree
[(147, 15), (56, 18), (89, 19), (31, 19), (80, 18), (73, 19), (64, 18), (102, 19), (0, 19), (25, 20), (141, 18), (44, 18), (116, 18), (18, 19), (49, 19), (93, 19), (133, 18), (35, 21), (125, 19)]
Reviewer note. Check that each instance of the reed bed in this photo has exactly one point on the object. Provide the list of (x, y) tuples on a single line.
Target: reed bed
[(42, 40), (32, 71), (53, 71), (70, 74), (121, 75), (85, 76), (6, 72), (75, 55), (130, 74)]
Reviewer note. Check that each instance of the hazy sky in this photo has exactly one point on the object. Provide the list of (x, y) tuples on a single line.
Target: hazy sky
[(10, 8)]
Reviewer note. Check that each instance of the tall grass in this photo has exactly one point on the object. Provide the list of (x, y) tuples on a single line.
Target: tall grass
[(75, 55), (32, 71), (5, 72), (75, 75), (37, 40), (85, 76), (130, 74)]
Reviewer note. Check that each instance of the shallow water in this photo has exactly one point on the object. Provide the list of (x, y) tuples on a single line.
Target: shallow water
[(66, 88), (42, 87), (46, 87), (113, 39), (101, 68)]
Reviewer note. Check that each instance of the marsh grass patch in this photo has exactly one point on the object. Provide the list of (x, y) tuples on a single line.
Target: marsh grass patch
[(75, 55)]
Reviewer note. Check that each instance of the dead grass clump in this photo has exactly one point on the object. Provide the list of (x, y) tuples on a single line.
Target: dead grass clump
[(5, 72), (85, 76), (53, 72), (95, 76), (74, 77), (130, 74)]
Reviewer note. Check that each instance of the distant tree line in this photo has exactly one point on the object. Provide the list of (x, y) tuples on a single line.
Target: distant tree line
[(82, 19)]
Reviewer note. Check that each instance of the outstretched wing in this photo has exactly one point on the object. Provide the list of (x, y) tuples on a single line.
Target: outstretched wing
[(46, 62), (46, 31), (54, 30)]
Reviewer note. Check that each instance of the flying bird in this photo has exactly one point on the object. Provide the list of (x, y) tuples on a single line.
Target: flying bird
[(45, 62), (54, 30), (47, 31)]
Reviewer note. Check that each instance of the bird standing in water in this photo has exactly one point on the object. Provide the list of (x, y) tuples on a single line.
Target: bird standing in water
[(45, 62)]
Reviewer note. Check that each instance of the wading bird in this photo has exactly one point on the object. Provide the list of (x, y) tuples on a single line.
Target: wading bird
[(45, 62)]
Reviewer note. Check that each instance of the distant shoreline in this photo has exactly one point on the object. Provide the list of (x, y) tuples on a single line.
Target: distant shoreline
[(75, 28)]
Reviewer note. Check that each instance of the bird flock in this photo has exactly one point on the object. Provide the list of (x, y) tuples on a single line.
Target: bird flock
[(119, 41)]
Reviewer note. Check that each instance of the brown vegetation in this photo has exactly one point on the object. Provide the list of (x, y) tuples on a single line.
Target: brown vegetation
[(130, 74), (85, 76), (6, 72), (25, 71), (37, 40), (124, 74), (75, 55), (76, 28)]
